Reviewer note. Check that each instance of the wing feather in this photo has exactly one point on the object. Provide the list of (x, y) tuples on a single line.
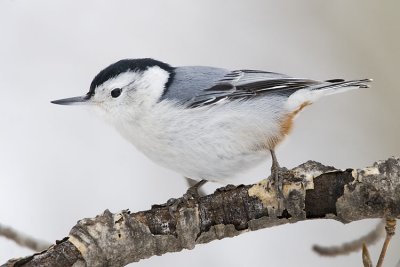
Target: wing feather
[(244, 84)]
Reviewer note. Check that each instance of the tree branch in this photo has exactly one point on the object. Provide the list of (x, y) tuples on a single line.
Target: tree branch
[(311, 191)]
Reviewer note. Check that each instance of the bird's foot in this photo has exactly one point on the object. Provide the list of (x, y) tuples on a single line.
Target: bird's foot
[(277, 174), (191, 193)]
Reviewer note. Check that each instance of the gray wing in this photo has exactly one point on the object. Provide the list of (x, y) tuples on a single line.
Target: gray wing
[(189, 82), (201, 86)]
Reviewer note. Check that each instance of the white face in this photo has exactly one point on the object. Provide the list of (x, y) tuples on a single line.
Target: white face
[(125, 95), (116, 94)]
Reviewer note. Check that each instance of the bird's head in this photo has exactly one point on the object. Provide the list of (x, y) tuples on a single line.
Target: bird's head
[(125, 86)]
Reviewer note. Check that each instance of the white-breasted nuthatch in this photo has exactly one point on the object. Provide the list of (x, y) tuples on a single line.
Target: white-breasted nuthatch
[(203, 122)]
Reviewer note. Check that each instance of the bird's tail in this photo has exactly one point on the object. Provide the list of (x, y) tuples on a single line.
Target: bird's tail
[(329, 87), (335, 86)]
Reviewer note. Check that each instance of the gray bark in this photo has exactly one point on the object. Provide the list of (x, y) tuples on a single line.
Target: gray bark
[(310, 191)]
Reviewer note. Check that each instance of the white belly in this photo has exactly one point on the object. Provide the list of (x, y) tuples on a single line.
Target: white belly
[(213, 144)]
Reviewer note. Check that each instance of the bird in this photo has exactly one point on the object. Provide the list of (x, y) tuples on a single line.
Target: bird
[(205, 123)]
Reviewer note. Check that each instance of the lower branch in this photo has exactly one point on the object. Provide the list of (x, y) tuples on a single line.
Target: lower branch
[(23, 239), (311, 191), (355, 245)]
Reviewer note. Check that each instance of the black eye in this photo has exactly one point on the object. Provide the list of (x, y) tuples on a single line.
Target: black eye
[(116, 92)]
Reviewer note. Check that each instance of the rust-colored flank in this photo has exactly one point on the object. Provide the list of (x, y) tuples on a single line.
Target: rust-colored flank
[(287, 122)]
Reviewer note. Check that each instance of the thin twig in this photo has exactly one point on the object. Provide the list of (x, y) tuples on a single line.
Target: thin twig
[(390, 230), (366, 257), (23, 239), (353, 246)]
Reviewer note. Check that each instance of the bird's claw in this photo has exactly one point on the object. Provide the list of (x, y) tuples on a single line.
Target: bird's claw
[(277, 179), (191, 193)]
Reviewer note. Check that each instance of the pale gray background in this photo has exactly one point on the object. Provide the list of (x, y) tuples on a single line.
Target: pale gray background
[(60, 164)]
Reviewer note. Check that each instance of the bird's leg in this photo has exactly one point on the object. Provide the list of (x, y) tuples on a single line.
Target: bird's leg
[(192, 192), (275, 169)]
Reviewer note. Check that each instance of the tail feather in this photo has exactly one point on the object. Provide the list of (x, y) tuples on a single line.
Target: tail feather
[(339, 85), (329, 87)]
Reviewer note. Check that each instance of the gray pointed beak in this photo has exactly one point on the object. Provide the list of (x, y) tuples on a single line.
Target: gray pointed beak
[(79, 100)]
